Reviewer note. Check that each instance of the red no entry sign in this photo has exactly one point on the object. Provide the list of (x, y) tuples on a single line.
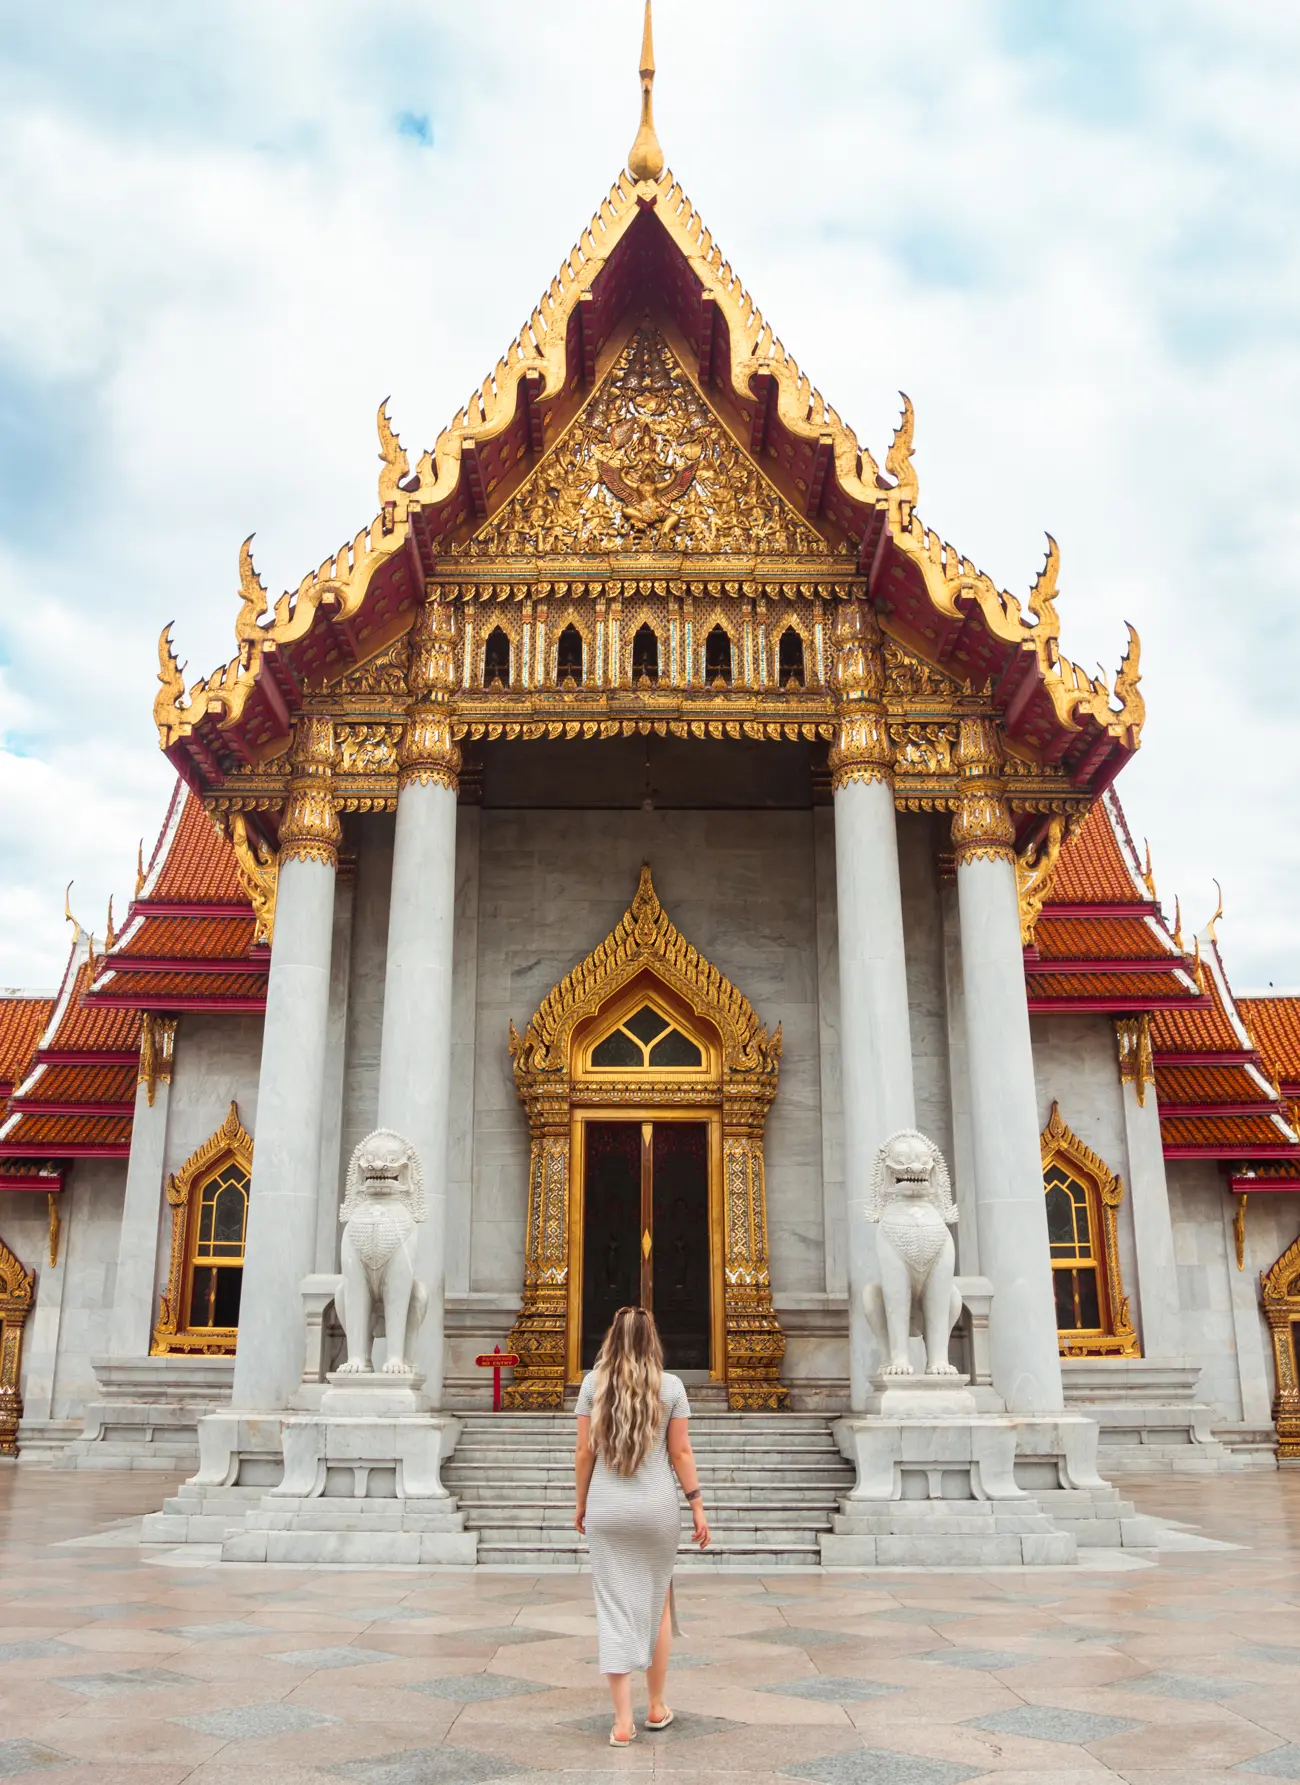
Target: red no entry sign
[(496, 1360)]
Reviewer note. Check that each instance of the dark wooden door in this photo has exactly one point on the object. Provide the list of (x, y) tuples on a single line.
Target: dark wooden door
[(680, 1230), (646, 1234)]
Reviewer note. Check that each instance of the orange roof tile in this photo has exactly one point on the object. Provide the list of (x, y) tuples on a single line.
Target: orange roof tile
[(1207, 1084), (1207, 1030), (23, 1018), (1134, 990), (147, 988), (1236, 1134), (1098, 939), (72, 1130), (187, 938), (190, 861), (1275, 1024), (84, 1084), (1098, 865)]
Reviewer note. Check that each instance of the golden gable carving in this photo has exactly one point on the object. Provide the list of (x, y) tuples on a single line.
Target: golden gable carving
[(647, 467)]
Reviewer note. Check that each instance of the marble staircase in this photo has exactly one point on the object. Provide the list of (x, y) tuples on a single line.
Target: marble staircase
[(772, 1485)]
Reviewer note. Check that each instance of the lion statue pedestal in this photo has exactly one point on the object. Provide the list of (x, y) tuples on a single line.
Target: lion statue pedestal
[(942, 1471), (362, 1477)]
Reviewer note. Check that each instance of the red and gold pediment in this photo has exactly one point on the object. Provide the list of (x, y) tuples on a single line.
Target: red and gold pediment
[(646, 467), (648, 411)]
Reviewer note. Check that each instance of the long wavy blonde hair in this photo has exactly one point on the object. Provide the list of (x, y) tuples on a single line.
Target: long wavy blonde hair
[(625, 1407)]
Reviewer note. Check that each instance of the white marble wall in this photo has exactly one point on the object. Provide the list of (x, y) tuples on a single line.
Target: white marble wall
[(70, 1319), (216, 1062), (740, 885), (919, 839), (1075, 1065), (1272, 1224), (1208, 1285), (374, 874)]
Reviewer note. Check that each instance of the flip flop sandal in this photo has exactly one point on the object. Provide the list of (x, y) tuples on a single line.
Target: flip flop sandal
[(662, 1724), (614, 1741)]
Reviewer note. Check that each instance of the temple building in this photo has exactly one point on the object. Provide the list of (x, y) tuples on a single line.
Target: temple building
[(646, 814)]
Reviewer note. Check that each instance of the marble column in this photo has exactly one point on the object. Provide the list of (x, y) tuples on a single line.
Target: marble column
[(1011, 1210), (282, 1211), (131, 1327), (875, 1033), (1159, 1314), (415, 1049)]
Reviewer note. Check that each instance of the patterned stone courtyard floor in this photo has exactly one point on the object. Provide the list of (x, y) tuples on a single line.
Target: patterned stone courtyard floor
[(118, 1665)]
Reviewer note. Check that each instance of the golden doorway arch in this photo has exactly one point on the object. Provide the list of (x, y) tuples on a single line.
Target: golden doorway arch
[(647, 1035)]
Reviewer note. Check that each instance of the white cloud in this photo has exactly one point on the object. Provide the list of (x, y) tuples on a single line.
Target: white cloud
[(1070, 234)]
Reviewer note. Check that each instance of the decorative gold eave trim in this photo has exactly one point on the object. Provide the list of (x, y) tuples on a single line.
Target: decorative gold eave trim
[(541, 348)]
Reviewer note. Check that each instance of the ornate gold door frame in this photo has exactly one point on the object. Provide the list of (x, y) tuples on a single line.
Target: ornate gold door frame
[(17, 1287), (1280, 1286), (646, 954)]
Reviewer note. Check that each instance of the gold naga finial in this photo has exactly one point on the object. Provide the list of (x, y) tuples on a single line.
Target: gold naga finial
[(252, 603), (139, 869), (393, 457), (67, 912), (110, 934), (1148, 872), (1178, 924), (1211, 928), (646, 159)]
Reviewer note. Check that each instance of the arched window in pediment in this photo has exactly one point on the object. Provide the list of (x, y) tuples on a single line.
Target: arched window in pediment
[(496, 660), (645, 654), (717, 656), (790, 670), (568, 658)]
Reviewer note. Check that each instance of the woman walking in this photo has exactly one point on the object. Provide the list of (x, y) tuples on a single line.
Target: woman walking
[(633, 1436)]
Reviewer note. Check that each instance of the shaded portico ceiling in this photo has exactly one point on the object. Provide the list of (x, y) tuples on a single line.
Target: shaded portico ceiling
[(647, 257)]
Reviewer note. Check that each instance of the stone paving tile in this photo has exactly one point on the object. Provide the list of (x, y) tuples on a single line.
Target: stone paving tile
[(1275, 1654), (114, 1685), (35, 1650), (878, 1766), (1054, 1723), (980, 1660), (686, 1726), (1279, 1763), (1201, 1687), (18, 1757), (429, 1766), (344, 1656), (255, 1720), (791, 1637), (468, 1688), (832, 1689)]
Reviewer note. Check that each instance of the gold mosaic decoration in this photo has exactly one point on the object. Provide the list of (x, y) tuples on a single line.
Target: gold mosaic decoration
[(17, 1288), (1280, 1287), (647, 467)]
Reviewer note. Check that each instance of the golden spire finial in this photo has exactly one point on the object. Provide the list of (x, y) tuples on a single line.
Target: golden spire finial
[(1212, 928), (646, 160)]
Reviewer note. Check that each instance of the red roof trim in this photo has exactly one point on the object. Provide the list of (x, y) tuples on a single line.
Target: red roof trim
[(1108, 964), (47, 1182), (75, 1149), (31, 1106), (1120, 1007), (1208, 1058), (1262, 1106), (1232, 1152), (54, 1056), (187, 908), (1103, 908), (173, 1005), (1244, 1185), (152, 963)]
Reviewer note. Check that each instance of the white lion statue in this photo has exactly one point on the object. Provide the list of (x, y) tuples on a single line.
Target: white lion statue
[(378, 1291), (911, 1200)]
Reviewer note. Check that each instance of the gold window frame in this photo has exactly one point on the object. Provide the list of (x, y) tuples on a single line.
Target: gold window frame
[(646, 959), (1104, 1190), (17, 1288), (1280, 1294), (230, 1144)]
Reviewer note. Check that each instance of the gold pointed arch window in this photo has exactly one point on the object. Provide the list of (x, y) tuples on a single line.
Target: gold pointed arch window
[(199, 1311), (1280, 1294), (646, 1038), (1083, 1198)]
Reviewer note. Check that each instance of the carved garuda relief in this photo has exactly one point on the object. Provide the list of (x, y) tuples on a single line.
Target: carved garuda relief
[(647, 467)]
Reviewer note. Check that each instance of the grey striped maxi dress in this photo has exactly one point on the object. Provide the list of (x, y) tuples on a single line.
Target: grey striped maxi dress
[(633, 1528)]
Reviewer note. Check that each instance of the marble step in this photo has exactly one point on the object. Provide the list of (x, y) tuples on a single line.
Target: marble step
[(721, 1518), (758, 1557), (742, 1497)]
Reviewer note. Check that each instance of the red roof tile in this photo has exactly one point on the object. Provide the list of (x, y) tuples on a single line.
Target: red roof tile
[(23, 1018), (190, 861), (1275, 1024), (1099, 866)]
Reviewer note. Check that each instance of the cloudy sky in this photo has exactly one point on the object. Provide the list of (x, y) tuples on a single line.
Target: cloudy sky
[(1068, 228)]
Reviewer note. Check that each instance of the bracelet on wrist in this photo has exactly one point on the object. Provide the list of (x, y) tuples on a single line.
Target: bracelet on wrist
[(694, 1494)]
